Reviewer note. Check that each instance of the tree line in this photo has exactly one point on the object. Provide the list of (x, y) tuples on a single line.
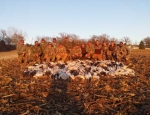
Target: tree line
[(9, 38)]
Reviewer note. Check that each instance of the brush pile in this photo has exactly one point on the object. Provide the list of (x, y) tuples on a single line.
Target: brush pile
[(44, 91)]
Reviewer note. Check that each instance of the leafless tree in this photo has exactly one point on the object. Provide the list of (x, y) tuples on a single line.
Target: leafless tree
[(15, 35), (114, 39), (101, 38), (8, 40), (63, 35), (73, 38), (93, 38), (3, 34), (47, 38), (38, 38), (147, 41), (126, 40)]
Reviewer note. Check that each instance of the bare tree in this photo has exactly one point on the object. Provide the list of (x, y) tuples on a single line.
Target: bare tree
[(147, 41), (3, 34), (15, 35), (38, 38), (93, 38), (16, 38), (8, 40), (73, 38), (101, 38), (114, 39), (48, 38), (63, 35), (126, 40)]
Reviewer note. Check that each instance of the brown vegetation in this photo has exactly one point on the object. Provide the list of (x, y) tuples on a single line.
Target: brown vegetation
[(8, 55), (109, 95)]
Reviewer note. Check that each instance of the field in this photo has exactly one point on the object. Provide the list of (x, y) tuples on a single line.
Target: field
[(8, 55), (48, 96)]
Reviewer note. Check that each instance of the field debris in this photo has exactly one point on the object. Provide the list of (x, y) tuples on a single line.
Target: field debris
[(124, 94)]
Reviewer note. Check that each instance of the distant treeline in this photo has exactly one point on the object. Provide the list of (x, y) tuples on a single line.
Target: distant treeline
[(9, 38), (6, 47)]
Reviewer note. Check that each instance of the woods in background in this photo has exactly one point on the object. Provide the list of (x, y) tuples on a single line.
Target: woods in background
[(9, 38)]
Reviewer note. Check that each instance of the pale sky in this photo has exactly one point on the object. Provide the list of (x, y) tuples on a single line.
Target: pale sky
[(116, 18)]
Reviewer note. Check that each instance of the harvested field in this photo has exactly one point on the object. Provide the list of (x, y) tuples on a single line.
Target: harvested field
[(48, 96), (8, 55)]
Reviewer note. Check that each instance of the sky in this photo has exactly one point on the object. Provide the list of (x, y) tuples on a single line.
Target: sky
[(116, 18)]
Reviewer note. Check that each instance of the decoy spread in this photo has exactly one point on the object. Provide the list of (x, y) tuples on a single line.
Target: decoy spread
[(85, 69)]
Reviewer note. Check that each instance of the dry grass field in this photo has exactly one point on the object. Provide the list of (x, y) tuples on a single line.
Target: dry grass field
[(140, 51), (120, 95), (8, 55)]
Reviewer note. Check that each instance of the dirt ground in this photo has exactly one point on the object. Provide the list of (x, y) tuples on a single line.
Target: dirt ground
[(23, 94), (8, 55)]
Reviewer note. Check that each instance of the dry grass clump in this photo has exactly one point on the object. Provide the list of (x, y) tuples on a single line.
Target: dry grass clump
[(108, 95)]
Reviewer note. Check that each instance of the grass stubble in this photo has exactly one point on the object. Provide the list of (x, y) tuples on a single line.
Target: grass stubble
[(108, 95)]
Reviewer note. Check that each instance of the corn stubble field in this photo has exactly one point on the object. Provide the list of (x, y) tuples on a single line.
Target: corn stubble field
[(108, 95)]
